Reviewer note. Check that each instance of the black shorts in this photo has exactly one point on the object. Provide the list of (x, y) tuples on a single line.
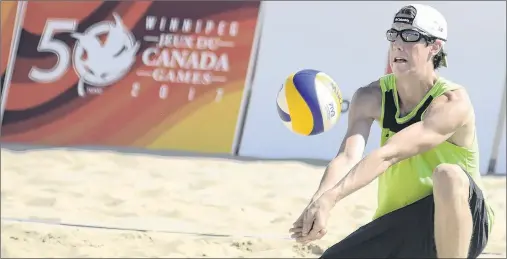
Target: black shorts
[(409, 232)]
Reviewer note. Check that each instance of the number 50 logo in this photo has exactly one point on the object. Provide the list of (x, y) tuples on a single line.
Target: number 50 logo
[(105, 63)]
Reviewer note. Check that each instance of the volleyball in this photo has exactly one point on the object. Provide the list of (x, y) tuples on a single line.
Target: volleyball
[(309, 102)]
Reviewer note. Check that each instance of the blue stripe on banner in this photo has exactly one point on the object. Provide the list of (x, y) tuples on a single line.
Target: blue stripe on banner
[(283, 115), (307, 78)]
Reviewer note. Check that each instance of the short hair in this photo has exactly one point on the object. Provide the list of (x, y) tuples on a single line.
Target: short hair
[(439, 59)]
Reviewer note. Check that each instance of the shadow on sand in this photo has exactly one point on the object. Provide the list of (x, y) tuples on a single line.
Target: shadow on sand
[(163, 153)]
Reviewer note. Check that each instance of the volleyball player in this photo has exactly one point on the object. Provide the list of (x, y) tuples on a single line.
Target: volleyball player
[(430, 196)]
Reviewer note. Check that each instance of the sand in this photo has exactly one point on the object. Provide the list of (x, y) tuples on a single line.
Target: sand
[(172, 193)]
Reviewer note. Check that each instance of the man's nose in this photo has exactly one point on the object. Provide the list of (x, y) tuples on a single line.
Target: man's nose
[(398, 44)]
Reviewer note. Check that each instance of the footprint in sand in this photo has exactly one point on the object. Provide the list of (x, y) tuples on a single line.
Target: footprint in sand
[(250, 246), (308, 249), (203, 184), (111, 201), (41, 202)]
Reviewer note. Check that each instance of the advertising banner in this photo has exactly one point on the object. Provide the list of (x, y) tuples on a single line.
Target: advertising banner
[(149, 74)]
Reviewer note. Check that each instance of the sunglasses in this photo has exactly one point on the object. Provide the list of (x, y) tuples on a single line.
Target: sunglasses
[(408, 35)]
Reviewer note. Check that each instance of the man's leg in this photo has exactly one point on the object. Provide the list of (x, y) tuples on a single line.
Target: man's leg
[(403, 233), (374, 240), (453, 219)]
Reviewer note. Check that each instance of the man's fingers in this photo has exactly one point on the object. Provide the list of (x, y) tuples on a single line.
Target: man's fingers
[(304, 239), (306, 229), (311, 237), (296, 235), (314, 232), (308, 223), (318, 226), (299, 221), (296, 229), (301, 239), (321, 233), (318, 236)]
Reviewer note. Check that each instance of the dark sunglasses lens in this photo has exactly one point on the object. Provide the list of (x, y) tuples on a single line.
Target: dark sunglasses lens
[(391, 35), (411, 36)]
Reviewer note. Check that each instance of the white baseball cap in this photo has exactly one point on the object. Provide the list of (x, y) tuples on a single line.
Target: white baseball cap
[(427, 19)]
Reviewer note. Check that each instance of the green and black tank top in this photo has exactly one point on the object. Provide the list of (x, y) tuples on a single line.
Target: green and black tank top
[(410, 180)]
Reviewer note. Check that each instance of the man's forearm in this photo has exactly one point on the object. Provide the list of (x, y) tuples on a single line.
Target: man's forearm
[(335, 171), (360, 175)]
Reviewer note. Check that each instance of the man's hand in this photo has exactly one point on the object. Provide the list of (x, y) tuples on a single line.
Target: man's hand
[(311, 225)]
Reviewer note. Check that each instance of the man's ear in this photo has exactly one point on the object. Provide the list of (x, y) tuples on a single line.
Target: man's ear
[(436, 47)]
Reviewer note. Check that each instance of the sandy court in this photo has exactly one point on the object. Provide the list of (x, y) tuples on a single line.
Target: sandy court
[(202, 195)]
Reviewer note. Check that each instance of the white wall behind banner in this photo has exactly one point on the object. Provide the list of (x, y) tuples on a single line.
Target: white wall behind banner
[(501, 163), (347, 41)]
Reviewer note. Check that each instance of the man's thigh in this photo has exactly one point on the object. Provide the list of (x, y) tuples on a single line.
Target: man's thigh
[(404, 233)]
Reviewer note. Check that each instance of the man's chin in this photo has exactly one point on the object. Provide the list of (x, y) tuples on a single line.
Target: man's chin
[(400, 70)]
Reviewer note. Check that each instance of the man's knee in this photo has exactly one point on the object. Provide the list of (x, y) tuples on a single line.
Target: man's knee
[(450, 179)]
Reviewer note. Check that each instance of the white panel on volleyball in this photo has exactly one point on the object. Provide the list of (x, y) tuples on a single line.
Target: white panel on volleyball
[(346, 40), (282, 101), (325, 96)]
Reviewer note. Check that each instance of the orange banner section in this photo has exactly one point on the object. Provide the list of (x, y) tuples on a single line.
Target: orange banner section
[(151, 74)]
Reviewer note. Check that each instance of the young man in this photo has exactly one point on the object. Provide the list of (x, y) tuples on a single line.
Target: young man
[(430, 202)]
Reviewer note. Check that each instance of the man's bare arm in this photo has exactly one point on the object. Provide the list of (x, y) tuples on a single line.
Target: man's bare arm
[(365, 102), (445, 115)]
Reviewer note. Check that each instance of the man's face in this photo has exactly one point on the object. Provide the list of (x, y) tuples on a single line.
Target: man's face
[(409, 57)]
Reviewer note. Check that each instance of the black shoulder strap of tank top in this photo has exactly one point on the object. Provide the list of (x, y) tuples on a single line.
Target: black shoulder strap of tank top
[(389, 121)]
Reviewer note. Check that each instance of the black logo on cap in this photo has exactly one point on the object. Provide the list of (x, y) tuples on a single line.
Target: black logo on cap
[(406, 20)]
